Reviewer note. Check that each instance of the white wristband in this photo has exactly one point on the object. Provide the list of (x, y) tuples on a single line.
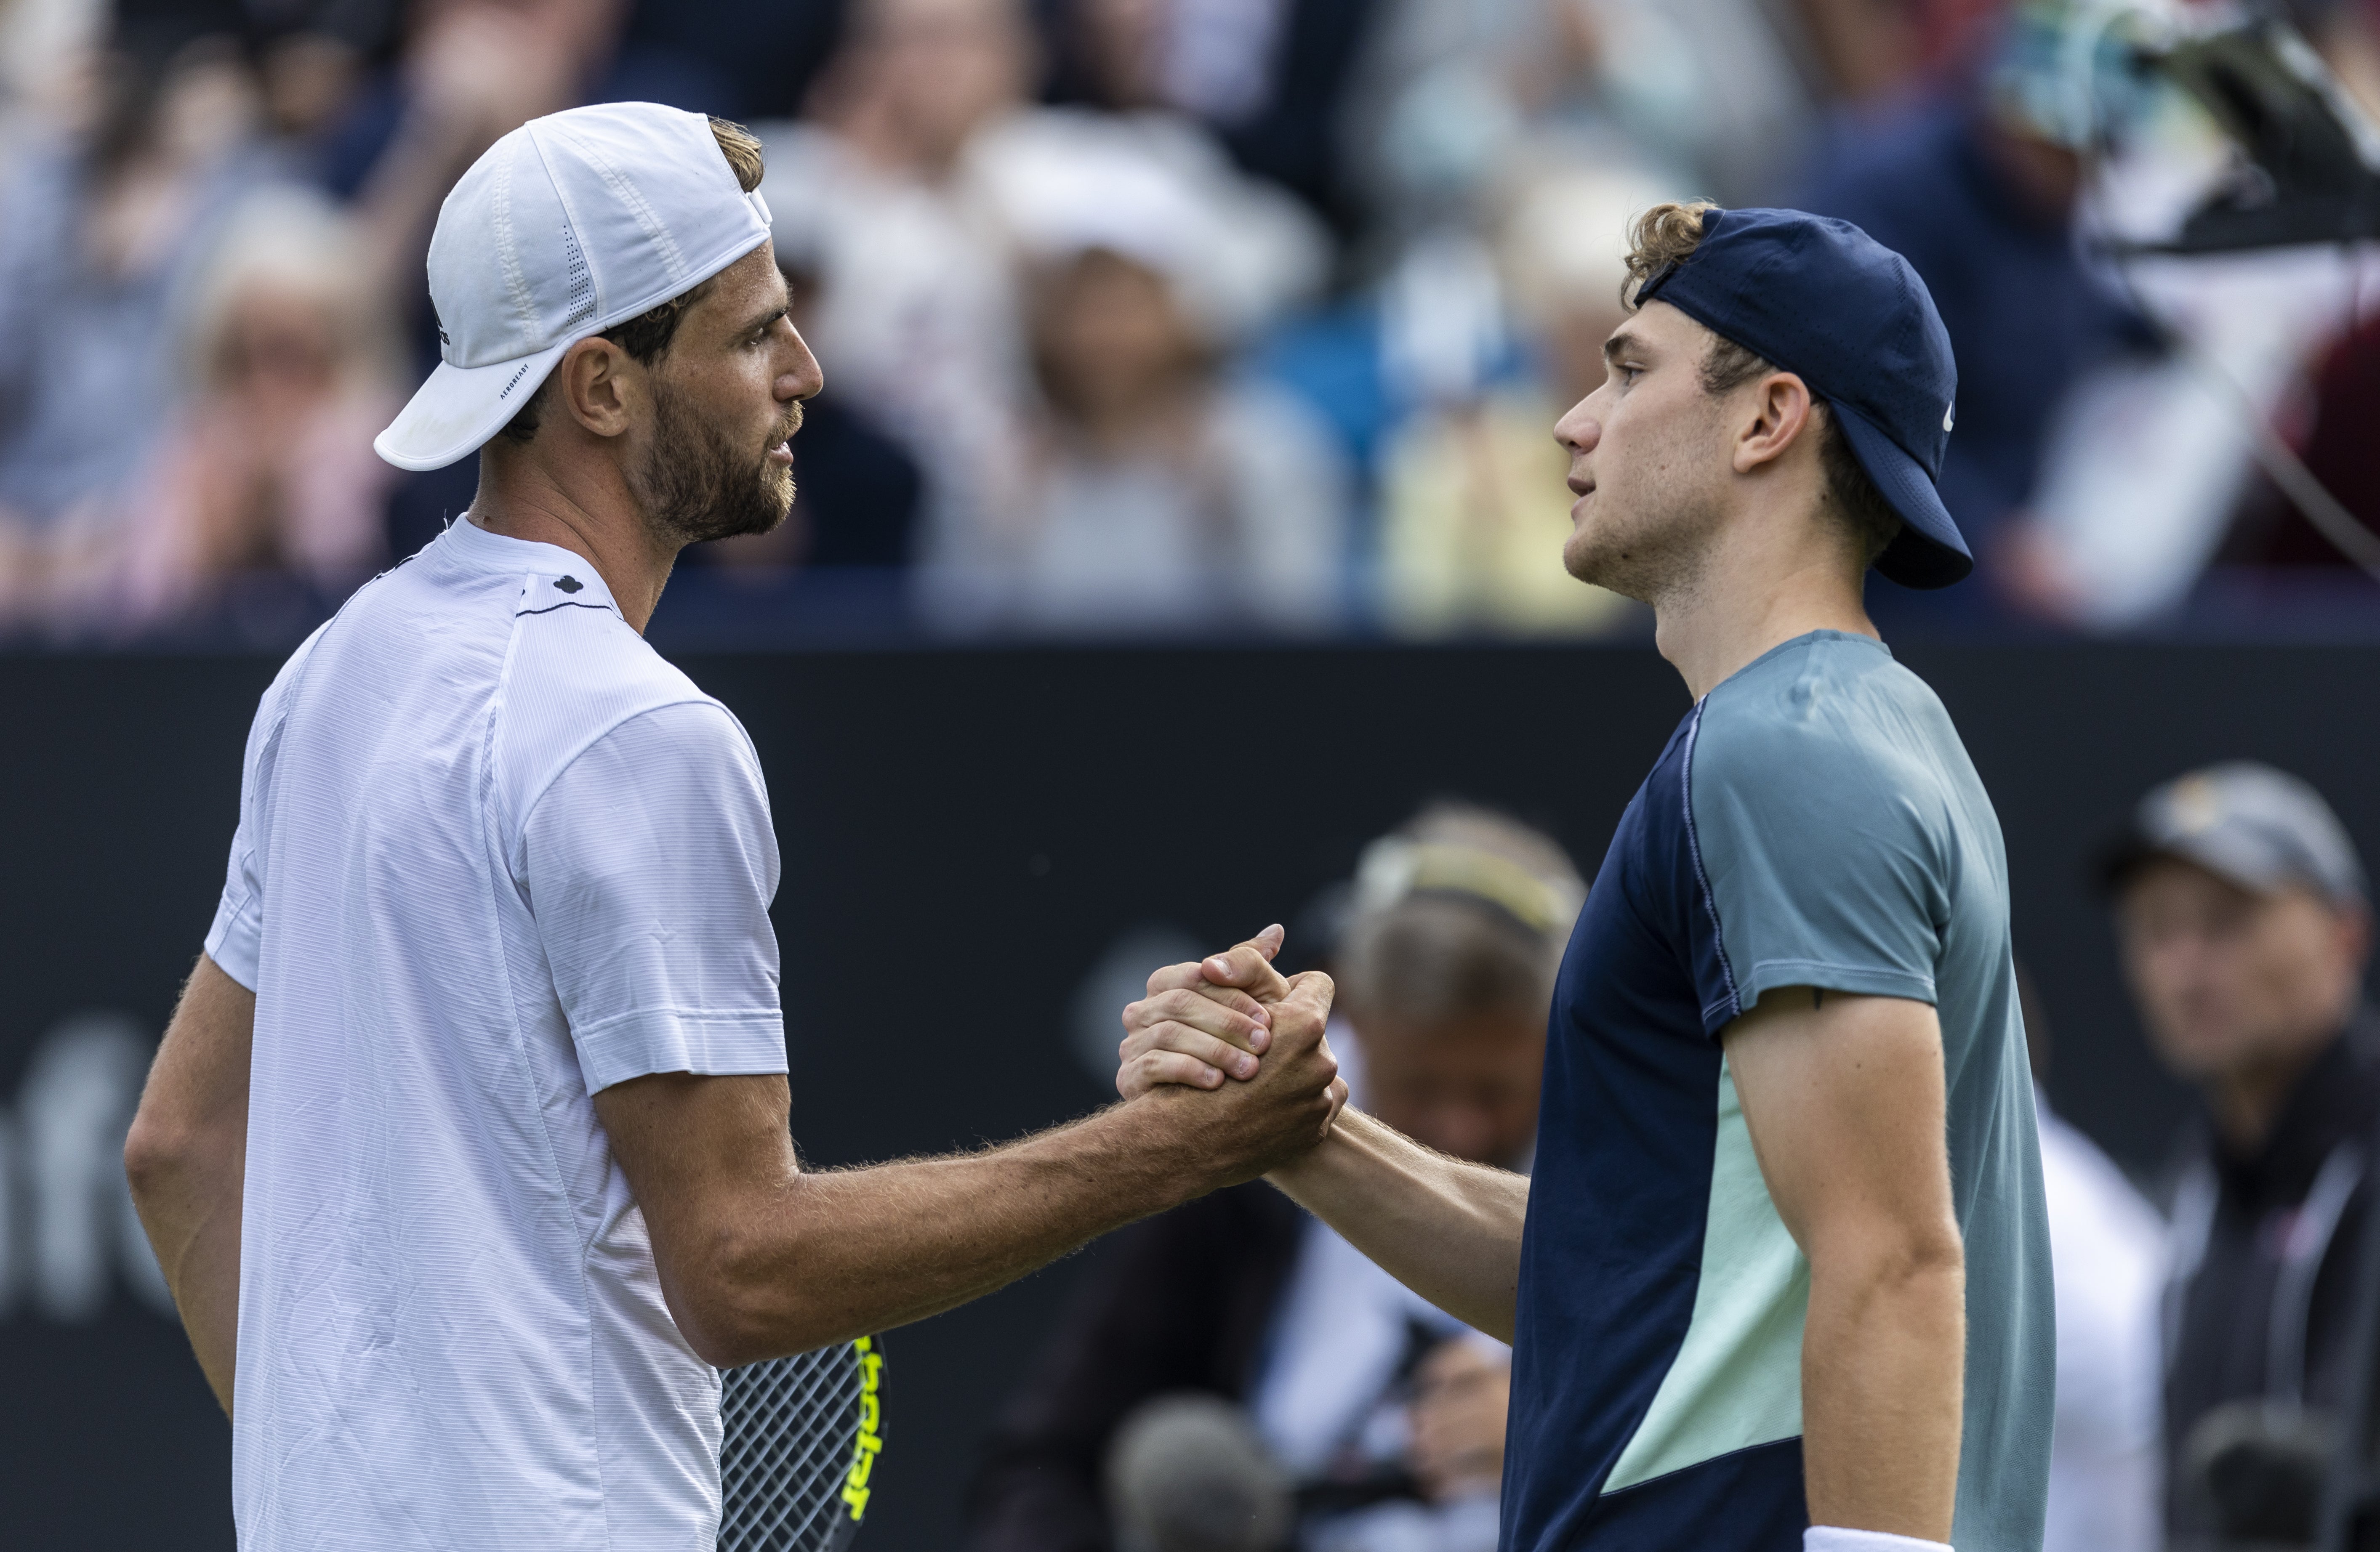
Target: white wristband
[(1834, 1538)]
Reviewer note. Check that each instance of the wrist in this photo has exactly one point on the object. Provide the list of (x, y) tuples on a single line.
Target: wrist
[(1836, 1538)]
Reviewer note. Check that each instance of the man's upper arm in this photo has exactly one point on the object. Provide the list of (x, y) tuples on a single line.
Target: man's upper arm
[(1844, 1099), (649, 862)]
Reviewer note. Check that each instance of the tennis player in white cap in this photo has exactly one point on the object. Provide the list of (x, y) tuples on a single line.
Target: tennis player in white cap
[(466, 1153)]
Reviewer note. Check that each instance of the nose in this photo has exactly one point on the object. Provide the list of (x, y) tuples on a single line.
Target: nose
[(803, 377), (1580, 429)]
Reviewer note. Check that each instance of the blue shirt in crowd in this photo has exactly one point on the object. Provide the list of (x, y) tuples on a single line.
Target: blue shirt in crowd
[(1814, 821)]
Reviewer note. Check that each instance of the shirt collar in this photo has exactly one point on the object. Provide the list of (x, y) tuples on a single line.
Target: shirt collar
[(553, 574)]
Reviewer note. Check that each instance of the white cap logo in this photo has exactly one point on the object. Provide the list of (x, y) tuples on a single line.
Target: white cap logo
[(1948, 412)]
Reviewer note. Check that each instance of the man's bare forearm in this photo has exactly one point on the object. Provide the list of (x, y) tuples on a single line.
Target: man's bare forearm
[(1883, 1357), (187, 1159), (1447, 1228), (854, 1250)]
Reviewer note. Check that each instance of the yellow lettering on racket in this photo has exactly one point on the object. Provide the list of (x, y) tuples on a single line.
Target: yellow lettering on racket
[(856, 1491)]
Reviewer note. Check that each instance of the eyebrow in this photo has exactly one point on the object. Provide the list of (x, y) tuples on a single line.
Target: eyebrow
[(1620, 345), (762, 321)]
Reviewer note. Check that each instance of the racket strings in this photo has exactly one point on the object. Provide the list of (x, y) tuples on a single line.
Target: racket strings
[(787, 1428)]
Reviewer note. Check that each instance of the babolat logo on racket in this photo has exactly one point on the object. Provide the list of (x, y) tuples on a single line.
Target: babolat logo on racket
[(799, 1442), (871, 1426)]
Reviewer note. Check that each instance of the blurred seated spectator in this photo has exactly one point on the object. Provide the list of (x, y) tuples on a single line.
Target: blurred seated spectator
[(1474, 507), (1268, 78), (1979, 194), (2107, 1247), (1159, 493), (917, 322), (1461, 1392), (2243, 917), (268, 468), (102, 228), (856, 493), (1456, 926)]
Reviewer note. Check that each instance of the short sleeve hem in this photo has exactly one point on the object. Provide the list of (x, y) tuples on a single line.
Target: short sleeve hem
[(235, 938), (708, 1042), (1855, 979)]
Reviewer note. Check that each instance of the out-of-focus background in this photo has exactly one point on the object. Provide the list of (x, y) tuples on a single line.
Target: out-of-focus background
[(1177, 318), (1180, 354)]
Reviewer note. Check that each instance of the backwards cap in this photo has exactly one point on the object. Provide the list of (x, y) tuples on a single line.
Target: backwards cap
[(570, 225)]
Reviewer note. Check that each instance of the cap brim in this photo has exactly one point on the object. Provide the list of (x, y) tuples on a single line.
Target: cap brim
[(454, 413), (1928, 551), (2120, 859)]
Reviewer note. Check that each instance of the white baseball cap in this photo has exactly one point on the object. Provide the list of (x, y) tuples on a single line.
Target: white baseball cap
[(566, 226)]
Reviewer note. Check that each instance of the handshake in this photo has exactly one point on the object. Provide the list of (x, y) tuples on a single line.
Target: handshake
[(1229, 1054)]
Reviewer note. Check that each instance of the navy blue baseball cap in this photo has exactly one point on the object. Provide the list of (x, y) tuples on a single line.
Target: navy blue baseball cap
[(1824, 301)]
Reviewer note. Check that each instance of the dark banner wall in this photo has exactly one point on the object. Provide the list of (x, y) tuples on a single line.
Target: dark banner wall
[(979, 848)]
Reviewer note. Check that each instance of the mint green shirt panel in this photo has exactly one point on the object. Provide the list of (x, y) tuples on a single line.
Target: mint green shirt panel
[(1846, 842), (1736, 1381)]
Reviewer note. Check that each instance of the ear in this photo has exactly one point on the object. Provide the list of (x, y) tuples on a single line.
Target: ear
[(601, 386), (1777, 414)]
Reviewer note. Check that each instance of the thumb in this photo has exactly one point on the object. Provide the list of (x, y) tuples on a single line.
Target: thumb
[(1249, 966)]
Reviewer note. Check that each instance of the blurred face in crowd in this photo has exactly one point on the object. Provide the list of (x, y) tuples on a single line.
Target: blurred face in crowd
[(2237, 988), (713, 461), (1466, 1085), (280, 349), (1650, 458), (937, 70), (1109, 336), (1123, 44)]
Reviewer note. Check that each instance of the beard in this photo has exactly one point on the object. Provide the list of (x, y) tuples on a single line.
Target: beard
[(695, 484)]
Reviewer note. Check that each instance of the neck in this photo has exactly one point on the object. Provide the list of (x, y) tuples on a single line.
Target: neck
[(1746, 599), (2248, 1099), (583, 505)]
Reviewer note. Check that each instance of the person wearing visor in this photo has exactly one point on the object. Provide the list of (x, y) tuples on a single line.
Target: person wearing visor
[(2245, 927), (1780, 1277), (466, 1154)]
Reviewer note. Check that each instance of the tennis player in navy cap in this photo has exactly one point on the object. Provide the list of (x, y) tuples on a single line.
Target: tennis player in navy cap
[(1781, 1276)]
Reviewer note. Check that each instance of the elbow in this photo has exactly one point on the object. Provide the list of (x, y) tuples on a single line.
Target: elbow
[(739, 1306), (1901, 1261), (158, 1154)]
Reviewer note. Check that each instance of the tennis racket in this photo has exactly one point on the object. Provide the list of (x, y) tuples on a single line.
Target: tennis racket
[(799, 1438)]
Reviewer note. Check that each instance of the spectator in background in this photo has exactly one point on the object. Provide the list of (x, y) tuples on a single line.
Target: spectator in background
[(926, 189), (2241, 910), (917, 309), (103, 227), (1159, 493), (2106, 1245), (268, 469), (1969, 184), (1474, 510), (1445, 969)]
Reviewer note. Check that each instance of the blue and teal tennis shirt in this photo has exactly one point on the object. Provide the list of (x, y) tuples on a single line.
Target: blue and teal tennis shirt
[(1814, 821)]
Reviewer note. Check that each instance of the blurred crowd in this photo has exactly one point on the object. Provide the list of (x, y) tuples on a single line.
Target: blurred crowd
[(1156, 317), (1234, 1376)]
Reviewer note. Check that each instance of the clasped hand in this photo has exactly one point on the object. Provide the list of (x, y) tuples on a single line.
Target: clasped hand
[(1235, 1020)]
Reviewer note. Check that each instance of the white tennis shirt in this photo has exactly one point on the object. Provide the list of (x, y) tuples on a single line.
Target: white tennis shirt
[(493, 855)]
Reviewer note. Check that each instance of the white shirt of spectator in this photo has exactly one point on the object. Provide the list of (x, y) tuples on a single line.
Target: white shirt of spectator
[(2106, 1248), (493, 855)]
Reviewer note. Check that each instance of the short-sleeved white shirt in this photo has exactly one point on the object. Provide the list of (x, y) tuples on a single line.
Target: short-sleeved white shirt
[(493, 855)]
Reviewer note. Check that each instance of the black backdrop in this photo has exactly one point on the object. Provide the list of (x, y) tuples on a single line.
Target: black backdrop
[(963, 835)]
